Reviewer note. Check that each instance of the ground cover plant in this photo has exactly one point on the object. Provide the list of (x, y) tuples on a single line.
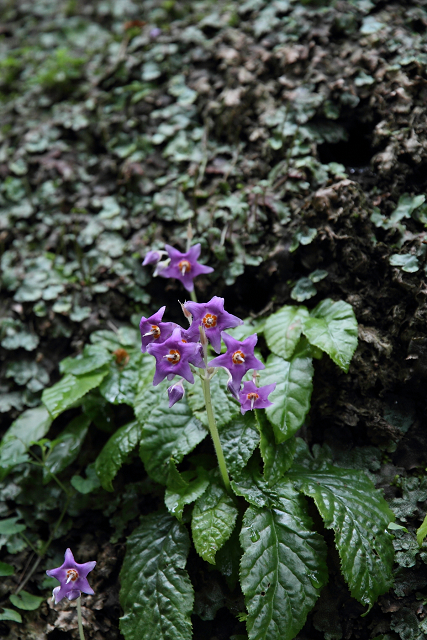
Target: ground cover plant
[(292, 136)]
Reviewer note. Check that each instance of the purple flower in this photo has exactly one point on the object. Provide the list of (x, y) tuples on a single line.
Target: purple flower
[(176, 392), (152, 257), (213, 318), (239, 358), (184, 266), (253, 397), (174, 356), (154, 330), (155, 32), (72, 577)]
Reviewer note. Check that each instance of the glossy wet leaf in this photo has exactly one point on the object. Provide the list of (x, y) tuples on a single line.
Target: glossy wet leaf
[(69, 390), (67, 446), (291, 397), (332, 327), (168, 435), (93, 357), (239, 438), (283, 567), (120, 385), (283, 330), (357, 512), (277, 458), (178, 497), (26, 601), (214, 517), (115, 452), (32, 425), (156, 593)]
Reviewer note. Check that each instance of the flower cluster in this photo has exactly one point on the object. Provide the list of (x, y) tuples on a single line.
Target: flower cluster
[(182, 266), (178, 351), (72, 578)]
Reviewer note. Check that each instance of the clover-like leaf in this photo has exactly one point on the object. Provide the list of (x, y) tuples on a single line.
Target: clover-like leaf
[(283, 567), (214, 517), (332, 326), (115, 452), (26, 601), (69, 390), (156, 592), (350, 505), (168, 435), (283, 329), (291, 397)]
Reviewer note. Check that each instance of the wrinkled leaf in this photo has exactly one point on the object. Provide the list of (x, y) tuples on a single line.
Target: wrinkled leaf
[(239, 439), (283, 329), (94, 357), (67, 446), (69, 390), (115, 452), (177, 498), (422, 531), (120, 385), (32, 425), (277, 458)]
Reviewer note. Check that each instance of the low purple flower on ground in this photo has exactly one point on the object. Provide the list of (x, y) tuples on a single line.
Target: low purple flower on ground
[(212, 316), (176, 392), (154, 330), (174, 356), (239, 358), (184, 266), (253, 397), (72, 578)]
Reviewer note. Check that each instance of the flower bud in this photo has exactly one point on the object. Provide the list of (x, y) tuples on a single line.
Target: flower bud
[(152, 257), (176, 393)]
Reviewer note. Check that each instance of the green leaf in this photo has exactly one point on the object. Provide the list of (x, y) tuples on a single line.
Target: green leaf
[(71, 388), (239, 440), (283, 329), (214, 517), (277, 458), (350, 505), (408, 262), (422, 531), (115, 452), (168, 435), (291, 397), (67, 446), (88, 484), (26, 601), (93, 357), (283, 567), (156, 592), (8, 526), (332, 327), (6, 569), (120, 385), (147, 396), (304, 289), (227, 559), (224, 405), (177, 498), (32, 425), (11, 614)]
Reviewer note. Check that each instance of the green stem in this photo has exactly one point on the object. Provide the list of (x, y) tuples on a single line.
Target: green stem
[(193, 296), (214, 433), (80, 619)]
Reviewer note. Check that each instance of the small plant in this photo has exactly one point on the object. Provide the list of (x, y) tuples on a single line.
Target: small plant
[(246, 505)]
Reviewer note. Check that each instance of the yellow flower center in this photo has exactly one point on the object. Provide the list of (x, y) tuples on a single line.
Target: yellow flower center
[(253, 396)]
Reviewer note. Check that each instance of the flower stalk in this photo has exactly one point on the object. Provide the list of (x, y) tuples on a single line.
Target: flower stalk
[(80, 619), (214, 432)]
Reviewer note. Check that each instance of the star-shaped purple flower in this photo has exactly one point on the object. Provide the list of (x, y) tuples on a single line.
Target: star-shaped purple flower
[(239, 358), (212, 316), (72, 578), (174, 356), (154, 330), (253, 397), (184, 266)]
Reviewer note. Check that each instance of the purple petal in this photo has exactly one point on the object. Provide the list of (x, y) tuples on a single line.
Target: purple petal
[(152, 257)]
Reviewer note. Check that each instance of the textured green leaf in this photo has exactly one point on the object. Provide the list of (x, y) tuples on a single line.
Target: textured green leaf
[(115, 452), (177, 498), (224, 405), (227, 559), (67, 447), (11, 614), (291, 397), (71, 388), (422, 531), (239, 439), (6, 569), (26, 601), (147, 396), (332, 327), (9, 526), (214, 517), (93, 357), (156, 593), (121, 383), (32, 425), (277, 458), (283, 329), (350, 505), (168, 434), (283, 567)]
